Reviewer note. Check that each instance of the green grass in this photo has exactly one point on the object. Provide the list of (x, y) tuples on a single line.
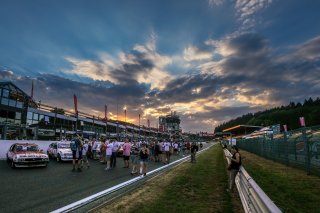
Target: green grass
[(201, 187), (291, 189)]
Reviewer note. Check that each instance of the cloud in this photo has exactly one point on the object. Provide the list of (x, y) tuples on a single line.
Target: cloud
[(57, 91), (213, 3), (142, 65), (309, 50), (194, 54), (246, 10), (251, 76)]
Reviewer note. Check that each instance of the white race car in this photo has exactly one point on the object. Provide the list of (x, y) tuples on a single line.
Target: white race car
[(26, 155), (61, 151)]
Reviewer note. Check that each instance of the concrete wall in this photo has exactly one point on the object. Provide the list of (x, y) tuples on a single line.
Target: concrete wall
[(5, 145)]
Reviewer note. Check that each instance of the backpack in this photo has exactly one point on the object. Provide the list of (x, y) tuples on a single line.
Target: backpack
[(73, 146)]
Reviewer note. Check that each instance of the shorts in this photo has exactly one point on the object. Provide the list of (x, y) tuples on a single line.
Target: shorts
[(85, 158), (146, 160), (125, 157), (134, 159), (108, 157), (76, 155)]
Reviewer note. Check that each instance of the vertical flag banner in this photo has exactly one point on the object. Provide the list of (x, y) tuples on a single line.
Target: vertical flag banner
[(302, 122), (285, 127), (75, 101)]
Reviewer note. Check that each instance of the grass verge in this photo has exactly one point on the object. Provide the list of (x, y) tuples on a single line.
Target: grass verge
[(199, 187), (290, 189)]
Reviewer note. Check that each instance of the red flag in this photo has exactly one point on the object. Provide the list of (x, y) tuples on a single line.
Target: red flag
[(106, 112), (302, 122), (32, 90), (75, 101)]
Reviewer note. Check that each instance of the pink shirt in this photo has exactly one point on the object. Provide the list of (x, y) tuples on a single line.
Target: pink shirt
[(126, 149)]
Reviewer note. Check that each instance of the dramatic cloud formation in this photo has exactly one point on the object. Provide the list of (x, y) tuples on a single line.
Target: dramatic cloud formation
[(209, 64), (142, 65)]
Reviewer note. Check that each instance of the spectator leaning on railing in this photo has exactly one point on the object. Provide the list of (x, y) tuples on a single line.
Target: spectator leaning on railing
[(234, 166)]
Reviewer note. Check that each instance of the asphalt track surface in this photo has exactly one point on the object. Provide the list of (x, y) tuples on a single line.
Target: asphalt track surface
[(47, 189)]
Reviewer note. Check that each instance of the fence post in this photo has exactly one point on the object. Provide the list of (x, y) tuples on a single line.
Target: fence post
[(306, 150)]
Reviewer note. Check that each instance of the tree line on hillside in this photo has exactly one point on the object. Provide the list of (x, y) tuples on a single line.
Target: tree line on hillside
[(288, 115)]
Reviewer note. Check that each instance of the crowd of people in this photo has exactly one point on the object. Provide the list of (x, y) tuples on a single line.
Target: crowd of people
[(136, 153)]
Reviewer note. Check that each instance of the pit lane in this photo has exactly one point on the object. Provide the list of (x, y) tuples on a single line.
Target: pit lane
[(47, 189)]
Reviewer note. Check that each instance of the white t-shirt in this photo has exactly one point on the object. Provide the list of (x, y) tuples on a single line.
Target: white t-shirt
[(95, 145), (85, 149), (115, 146), (109, 149), (167, 146)]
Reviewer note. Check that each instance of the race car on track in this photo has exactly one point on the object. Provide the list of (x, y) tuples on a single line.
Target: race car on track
[(26, 155), (61, 151)]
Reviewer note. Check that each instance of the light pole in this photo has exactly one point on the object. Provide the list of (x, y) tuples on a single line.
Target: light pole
[(139, 128), (125, 120)]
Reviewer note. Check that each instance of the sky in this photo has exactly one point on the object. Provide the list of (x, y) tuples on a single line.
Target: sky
[(207, 60)]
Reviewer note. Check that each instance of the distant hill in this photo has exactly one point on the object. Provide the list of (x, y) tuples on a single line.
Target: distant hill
[(288, 115)]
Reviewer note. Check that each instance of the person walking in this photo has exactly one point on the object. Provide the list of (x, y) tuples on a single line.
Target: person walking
[(144, 158), (234, 166), (126, 153)]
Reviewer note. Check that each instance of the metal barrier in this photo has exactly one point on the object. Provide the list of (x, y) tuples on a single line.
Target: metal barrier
[(87, 200), (252, 196), (299, 148)]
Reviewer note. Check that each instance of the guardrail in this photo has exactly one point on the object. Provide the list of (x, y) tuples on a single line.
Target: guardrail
[(252, 196), (92, 198)]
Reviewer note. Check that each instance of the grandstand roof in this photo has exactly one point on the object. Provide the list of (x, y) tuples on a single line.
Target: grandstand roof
[(241, 129)]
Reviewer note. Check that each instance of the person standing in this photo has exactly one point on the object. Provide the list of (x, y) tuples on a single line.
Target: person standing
[(76, 148), (85, 154), (156, 151), (144, 158), (94, 148), (235, 163), (194, 149), (167, 146), (134, 158), (115, 149), (126, 153), (103, 152), (188, 147), (109, 147)]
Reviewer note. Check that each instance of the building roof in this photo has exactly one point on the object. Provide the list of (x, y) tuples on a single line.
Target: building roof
[(11, 86), (241, 129)]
